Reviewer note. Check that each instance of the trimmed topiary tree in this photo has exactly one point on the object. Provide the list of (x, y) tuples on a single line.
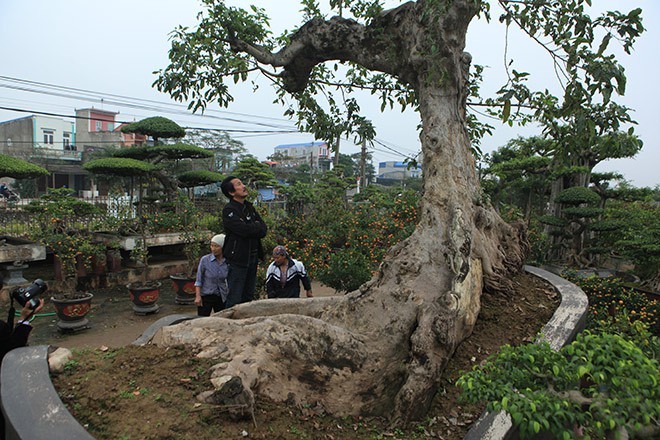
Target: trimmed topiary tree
[(19, 169), (574, 227)]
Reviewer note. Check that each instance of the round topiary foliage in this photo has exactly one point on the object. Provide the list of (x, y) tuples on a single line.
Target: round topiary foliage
[(157, 127), (119, 166), (191, 179), (19, 169), (577, 195), (578, 212), (551, 220)]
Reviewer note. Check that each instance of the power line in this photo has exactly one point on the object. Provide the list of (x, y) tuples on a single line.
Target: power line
[(230, 130), (159, 106), (130, 102)]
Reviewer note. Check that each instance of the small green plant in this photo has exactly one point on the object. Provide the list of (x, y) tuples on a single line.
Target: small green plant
[(110, 355), (126, 394), (71, 365), (297, 432), (140, 253), (601, 382)]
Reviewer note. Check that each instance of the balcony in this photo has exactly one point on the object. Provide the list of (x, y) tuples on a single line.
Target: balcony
[(48, 153)]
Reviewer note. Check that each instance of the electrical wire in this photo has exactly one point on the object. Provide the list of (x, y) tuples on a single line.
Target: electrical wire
[(164, 107)]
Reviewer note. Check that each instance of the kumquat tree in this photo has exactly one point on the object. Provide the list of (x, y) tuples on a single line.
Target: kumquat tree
[(342, 246)]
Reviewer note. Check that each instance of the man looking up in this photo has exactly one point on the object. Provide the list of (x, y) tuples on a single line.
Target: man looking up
[(244, 230)]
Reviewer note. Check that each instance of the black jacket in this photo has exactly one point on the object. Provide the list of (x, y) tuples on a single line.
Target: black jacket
[(290, 287), (244, 230), (11, 338)]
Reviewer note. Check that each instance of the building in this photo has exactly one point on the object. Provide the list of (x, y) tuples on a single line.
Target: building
[(49, 142), (62, 146), (314, 154), (392, 171), (97, 129)]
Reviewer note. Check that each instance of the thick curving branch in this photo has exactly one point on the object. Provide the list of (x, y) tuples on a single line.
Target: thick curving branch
[(378, 46)]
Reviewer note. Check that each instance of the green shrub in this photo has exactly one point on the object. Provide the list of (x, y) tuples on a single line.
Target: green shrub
[(347, 270), (601, 382)]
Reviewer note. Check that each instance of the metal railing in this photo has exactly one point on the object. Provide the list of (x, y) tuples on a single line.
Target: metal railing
[(15, 221)]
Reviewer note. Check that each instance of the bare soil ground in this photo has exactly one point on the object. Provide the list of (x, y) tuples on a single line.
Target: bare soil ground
[(124, 392)]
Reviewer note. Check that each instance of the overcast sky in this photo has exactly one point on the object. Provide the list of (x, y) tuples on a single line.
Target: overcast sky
[(81, 53)]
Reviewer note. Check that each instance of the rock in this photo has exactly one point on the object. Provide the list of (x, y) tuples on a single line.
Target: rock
[(58, 359)]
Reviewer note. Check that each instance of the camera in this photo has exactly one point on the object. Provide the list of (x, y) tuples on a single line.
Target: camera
[(29, 295)]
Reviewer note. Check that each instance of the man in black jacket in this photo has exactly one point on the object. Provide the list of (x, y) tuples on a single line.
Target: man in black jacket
[(244, 230)]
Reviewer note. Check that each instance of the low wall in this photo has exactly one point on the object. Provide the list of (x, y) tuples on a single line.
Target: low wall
[(569, 319)]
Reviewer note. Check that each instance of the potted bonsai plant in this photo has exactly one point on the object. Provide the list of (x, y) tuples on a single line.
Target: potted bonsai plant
[(184, 282), (144, 294), (72, 310), (59, 217), (193, 237), (149, 161), (72, 258)]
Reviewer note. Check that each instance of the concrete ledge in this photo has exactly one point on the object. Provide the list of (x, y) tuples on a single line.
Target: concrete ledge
[(30, 404), (157, 325), (569, 319)]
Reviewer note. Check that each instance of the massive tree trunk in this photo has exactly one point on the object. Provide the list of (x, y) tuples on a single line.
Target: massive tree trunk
[(381, 350)]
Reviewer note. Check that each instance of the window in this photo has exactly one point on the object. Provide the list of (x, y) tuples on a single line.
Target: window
[(99, 126), (49, 136), (66, 142)]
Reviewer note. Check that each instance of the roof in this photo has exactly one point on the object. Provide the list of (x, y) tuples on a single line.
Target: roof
[(303, 144), (96, 110), (397, 165)]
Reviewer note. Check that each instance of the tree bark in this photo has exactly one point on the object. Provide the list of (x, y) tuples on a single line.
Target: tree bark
[(381, 350)]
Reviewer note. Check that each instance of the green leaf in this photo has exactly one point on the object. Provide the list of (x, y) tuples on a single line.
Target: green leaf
[(506, 112), (604, 43)]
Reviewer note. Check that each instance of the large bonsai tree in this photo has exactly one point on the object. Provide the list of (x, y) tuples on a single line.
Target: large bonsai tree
[(154, 161), (382, 348)]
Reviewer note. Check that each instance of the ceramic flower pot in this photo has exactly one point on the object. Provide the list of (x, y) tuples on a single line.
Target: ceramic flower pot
[(184, 287), (72, 311), (144, 297)]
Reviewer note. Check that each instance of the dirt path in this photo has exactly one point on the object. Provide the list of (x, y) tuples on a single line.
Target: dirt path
[(112, 320)]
